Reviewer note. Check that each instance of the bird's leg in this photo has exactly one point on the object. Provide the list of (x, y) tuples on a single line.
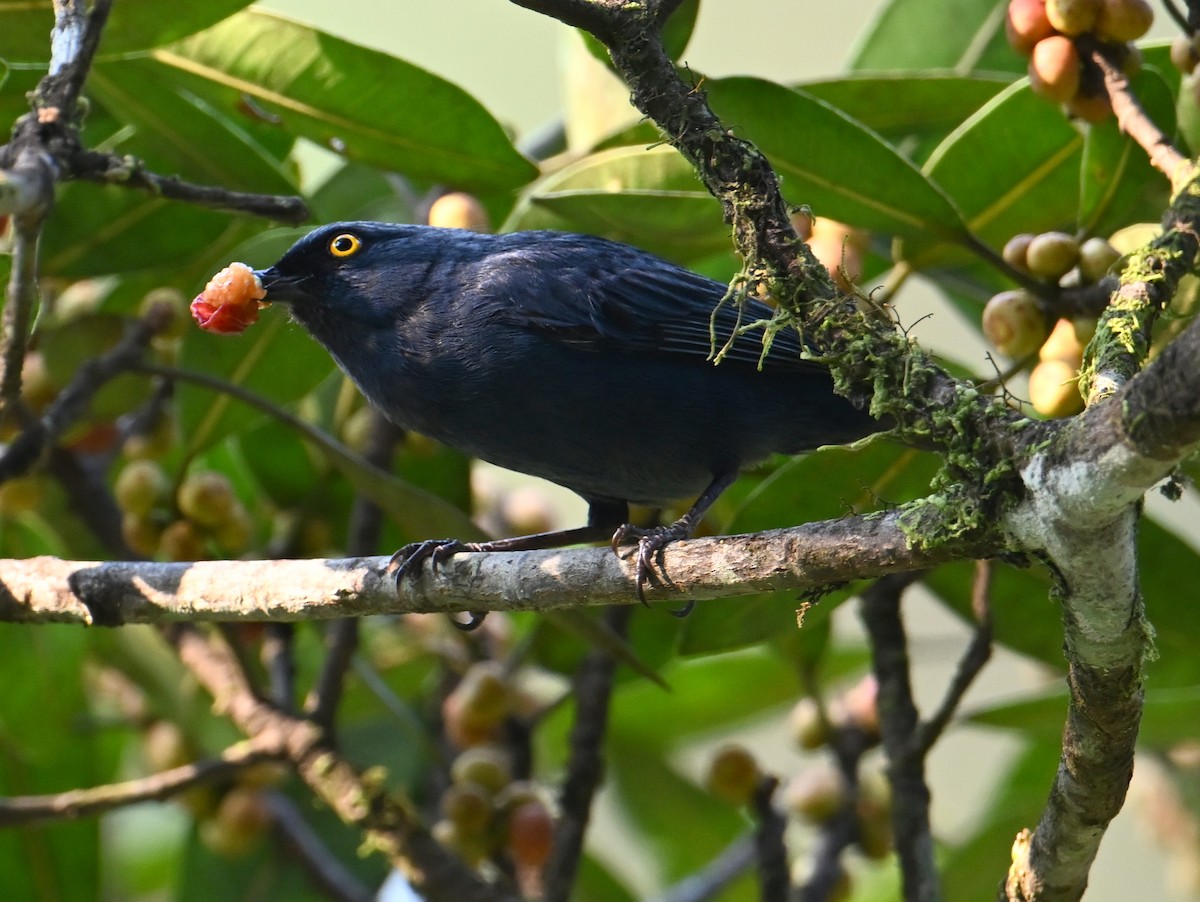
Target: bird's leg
[(651, 542), (601, 516)]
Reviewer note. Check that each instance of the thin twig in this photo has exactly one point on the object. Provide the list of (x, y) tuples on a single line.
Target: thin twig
[(1132, 118), (585, 766), (898, 721), (20, 297), (20, 456), (774, 876), (388, 824), (111, 169), (76, 803)]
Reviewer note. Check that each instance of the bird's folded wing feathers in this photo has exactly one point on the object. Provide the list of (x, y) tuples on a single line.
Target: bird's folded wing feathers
[(654, 309)]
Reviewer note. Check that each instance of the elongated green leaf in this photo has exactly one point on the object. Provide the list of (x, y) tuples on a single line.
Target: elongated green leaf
[(963, 35), (131, 25), (913, 111), (650, 198), (1170, 715), (1012, 167), (115, 230), (176, 133), (367, 105), (834, 164)]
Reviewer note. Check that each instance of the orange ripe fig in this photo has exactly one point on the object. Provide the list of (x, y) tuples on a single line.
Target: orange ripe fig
[(1026, 24), (230, 301), (1054, 68)]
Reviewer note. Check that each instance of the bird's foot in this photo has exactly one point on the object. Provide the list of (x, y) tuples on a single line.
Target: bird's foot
[(408, 560), (648, 554)]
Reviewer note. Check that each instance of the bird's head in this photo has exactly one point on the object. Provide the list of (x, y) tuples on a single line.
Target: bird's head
[(353, 269)]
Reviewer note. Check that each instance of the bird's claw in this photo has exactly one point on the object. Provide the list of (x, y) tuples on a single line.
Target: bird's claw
[(648, 553), (408, 560)]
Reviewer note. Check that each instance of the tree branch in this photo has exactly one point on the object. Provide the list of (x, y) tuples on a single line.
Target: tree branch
[(899, 722), (45, 589), (585, 769), (388, 824), (76, 803)]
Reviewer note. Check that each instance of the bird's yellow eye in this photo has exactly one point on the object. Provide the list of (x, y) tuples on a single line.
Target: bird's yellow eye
[(345, 245)]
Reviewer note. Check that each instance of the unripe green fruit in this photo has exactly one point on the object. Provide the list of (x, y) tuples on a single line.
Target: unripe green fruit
[(1073, 17), (1123, 20), (488, 766), (1096, 258), (485, 691), (239, 824), (21, 495), (206, 498), (181, 541), (141, 534), (472, 848), (468, 806), (1183, 54), (164, 746), (1052, 254), (141, 486), (1054, 69), (459, 210), (170, 304), (809, 728), (732, 775), (1013, 323), (816, 794), (233, 534), (1016, 251)]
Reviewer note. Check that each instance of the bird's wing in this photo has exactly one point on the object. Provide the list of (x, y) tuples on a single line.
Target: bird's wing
[(613, 296)]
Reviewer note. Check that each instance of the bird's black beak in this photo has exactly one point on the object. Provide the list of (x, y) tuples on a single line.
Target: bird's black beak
[(280, 287)]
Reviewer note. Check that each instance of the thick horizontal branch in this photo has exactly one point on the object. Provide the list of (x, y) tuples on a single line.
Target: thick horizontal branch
[(809, 557)]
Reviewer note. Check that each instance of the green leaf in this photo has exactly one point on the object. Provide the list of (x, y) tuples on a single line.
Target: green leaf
[(1012, 167), (48, 743), (115, 230), (963, 35), (1118, 183), (131, 25), (367, 105), (913, 111), (649, 198), (832, 163), (273, 359), (1170, 715), (177, 133)]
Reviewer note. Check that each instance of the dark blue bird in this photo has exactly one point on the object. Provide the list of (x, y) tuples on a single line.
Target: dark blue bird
[(569, 357)]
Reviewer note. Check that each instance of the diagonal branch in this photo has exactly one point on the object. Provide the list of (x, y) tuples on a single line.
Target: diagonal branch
[(388, 823)]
